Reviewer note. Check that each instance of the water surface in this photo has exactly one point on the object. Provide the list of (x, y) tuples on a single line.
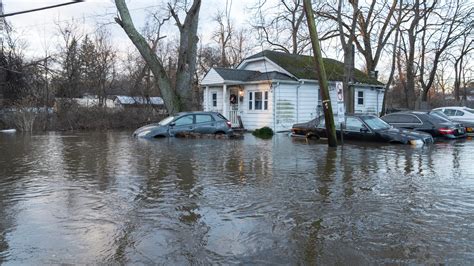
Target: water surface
[(87, 198)]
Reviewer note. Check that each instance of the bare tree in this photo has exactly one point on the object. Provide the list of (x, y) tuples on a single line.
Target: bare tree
[(448, 27), (179, 97), (283, 26), (223, 34), (98, 63), (460, 62)]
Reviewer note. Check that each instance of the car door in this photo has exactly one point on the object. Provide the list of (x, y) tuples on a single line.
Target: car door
[(182, 124), (355, 129), (205, 124)]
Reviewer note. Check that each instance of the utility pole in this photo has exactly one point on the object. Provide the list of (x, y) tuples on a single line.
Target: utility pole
[(323, 82)]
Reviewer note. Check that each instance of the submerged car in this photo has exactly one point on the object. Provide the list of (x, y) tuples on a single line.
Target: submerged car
[(362, 127), (187, 122), (435, 125)]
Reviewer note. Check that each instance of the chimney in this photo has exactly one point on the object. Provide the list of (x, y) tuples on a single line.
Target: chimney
[(374, 74)]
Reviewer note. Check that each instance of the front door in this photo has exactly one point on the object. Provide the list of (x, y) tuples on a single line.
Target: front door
[(234, 107)]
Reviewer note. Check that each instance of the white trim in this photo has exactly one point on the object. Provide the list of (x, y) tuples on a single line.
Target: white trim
[(225, 100)]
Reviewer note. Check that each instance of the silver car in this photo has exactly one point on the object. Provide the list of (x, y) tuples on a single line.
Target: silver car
[(187, 122)]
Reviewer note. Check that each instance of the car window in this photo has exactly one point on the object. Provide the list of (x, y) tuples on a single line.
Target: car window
[(401, 118), (391, 118), (322, 123), (353, 124), (450, 112), (459, 113), (204, 118), (375, 123), (185, 120)]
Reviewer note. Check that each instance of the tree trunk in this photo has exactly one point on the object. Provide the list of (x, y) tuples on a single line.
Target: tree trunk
[(187, 56), (179, 98), (347, 78)]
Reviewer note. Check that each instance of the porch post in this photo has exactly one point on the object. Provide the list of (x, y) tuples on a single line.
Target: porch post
[(224, 101), (207, 106)]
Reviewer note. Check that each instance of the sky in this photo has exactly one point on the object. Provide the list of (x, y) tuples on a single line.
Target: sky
[(40, 30)]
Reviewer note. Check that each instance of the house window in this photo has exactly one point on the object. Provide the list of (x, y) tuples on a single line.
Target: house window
[(214, 99), (360, 98), (258, 100), (250, 100)]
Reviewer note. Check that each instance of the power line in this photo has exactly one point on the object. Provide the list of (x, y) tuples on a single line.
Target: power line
[(36, 25), (39, 9)]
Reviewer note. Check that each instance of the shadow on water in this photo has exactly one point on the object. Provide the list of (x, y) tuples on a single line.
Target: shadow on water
[(106, 198)]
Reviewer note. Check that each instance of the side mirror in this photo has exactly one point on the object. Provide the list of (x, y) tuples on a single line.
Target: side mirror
[(172, 124)]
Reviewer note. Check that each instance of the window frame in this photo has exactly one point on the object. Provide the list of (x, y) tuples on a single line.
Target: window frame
[(407, 115), (360, 98), (214, 99), (201, 115), (252, 101), (182, 117)]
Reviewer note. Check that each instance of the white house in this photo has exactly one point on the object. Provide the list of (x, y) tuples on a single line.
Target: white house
[(277, 90)]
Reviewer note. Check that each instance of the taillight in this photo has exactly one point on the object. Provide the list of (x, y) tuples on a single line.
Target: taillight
[(446, 131), (229, 124)]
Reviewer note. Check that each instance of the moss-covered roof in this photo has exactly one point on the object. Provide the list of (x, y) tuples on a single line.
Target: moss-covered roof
[(302, 67)]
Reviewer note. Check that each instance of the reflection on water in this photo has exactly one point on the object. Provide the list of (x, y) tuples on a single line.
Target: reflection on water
[(107, 198)]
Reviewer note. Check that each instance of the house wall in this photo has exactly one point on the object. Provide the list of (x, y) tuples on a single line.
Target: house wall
[(295, 103), (207, 99), (373, 100), (262, 66), (253, 119)]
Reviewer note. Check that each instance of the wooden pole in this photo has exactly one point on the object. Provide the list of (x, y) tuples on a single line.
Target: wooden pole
[(323, 82)]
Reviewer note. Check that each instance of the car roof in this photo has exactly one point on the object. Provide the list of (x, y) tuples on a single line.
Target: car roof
[(195, 112)]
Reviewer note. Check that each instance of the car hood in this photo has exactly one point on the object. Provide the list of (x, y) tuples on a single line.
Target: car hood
[(150, 131), (404, 135)]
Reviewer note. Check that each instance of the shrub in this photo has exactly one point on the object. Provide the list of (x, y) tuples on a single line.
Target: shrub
[(264, 133)]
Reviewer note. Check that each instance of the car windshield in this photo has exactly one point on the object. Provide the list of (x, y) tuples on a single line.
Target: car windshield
[(166, 121), (437, 118), (376, 123), (440, 114), (469, 110)]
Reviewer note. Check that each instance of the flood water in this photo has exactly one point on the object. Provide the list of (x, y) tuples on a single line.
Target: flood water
[(88, 198)]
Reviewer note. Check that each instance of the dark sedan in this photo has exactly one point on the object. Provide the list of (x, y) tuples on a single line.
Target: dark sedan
[(362, 127), (435, 125), (188, 122)]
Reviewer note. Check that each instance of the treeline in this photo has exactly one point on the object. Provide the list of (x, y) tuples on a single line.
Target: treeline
[(423, 50)]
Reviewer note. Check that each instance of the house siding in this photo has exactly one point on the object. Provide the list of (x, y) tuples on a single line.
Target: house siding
[(295, 104), (253, 119), (212, 77), (373, 100), (262, 66), (207, 100)]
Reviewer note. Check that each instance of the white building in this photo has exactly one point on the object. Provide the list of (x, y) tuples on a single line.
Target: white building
[(277, 90)]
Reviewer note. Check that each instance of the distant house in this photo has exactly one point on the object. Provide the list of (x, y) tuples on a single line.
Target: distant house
[(137, 101), (277, 89), (86, 101)]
